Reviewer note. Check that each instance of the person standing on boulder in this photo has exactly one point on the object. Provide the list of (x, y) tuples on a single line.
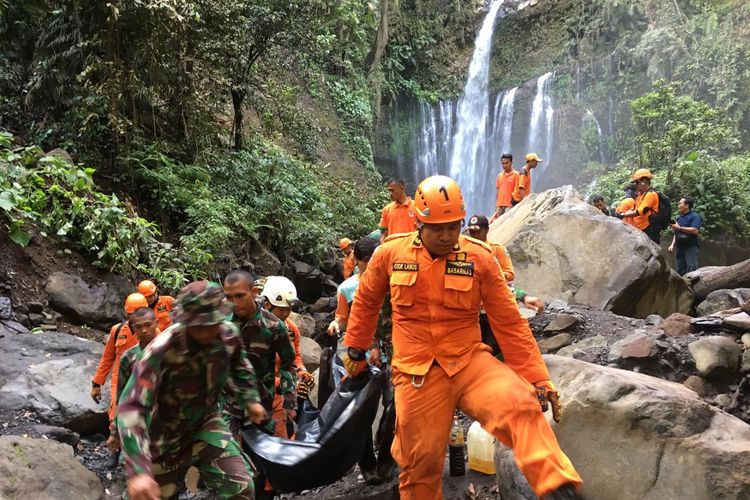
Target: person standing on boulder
[(161, 304), (121, 338), (280, 295), (523, 182), (686, 229), (143, 324), (505, 183), (437, 279), (646, 204), (169, 418), (397, 216), (264, 337), (345, 244)]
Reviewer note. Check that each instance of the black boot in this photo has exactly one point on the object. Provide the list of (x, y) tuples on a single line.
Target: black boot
[(565, 492)]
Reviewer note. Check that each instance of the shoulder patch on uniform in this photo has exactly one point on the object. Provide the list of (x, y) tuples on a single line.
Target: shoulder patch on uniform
[(481, 243), (406, 266), (459, 268)]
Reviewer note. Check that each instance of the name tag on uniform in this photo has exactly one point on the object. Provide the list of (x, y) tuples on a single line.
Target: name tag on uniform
[(455, 267), (406, 266)]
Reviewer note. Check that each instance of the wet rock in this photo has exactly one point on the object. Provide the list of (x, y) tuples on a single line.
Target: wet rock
[(635, 345), (59, 434), (99, 304), (310, 351), (305, 323), (10, 327), (632, 436), (35, 307), (542, 233), (713, 355), (308, 280), (653, 319), (723, 400), (557, 305), (740, 321), (36, 319), (324, 304), (44, 469), (676, 325), (698, 384), (596, 341), (552, 344), (562, 322), (6, 311), (263, 262), (50, 375), (721, 300)]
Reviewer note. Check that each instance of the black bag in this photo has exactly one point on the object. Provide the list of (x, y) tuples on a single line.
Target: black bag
[(326, 448), (660, 220)]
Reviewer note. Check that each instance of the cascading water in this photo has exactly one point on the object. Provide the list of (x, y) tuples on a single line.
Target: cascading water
[(590, 114), (468, 153), (540, 126)]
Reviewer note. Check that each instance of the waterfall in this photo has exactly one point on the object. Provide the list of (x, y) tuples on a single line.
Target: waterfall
[(468, 153), (540, 126), (590, 114)]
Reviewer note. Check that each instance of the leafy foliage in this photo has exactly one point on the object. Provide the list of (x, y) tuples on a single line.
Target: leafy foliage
[(62, 200)]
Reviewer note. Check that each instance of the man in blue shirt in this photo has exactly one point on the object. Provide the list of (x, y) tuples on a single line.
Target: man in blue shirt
[(685, 239)]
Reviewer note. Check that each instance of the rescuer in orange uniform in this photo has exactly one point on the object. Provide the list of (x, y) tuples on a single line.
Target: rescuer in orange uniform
[(345, 244), (398, 216), (121, 338), (437, 279), (161, 304)]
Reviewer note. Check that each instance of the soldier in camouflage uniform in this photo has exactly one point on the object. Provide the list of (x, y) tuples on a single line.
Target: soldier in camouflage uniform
[(264, 336), (169, 418)]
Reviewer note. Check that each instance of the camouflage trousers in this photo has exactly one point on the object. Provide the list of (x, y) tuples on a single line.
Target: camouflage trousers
[(234, 417), (219, 460)]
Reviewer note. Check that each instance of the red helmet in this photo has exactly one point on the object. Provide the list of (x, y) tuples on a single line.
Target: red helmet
[(146, 288), (439, 200), (135, 301)]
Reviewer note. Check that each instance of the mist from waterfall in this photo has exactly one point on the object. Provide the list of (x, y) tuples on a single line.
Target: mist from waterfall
[(540, 126)]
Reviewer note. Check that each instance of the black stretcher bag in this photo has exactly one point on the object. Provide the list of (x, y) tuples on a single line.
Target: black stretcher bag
[(326, 448)]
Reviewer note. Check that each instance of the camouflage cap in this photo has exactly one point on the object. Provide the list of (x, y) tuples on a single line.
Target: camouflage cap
[(201, 303)]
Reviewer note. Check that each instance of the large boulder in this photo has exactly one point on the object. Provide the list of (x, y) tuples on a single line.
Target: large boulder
[(44, 469), (631, 436), (563, 248), (721, 300), (50, 374), (310, 351), (715, 355), (100, 304)]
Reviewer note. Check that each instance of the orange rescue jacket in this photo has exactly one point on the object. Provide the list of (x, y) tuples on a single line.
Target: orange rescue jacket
[(436, 308), (162, 309)]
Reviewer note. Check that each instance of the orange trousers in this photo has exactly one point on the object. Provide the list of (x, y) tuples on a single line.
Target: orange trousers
[(490, 392), (278, 416)]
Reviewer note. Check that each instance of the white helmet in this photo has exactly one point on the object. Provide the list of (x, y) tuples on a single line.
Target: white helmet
[(280, 291)]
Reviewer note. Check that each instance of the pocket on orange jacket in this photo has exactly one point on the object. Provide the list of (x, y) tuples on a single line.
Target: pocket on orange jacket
[(402, 287), (458, 292)]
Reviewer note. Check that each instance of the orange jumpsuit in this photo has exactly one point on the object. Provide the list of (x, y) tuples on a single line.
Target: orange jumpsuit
[(501, 254), (110, 360), (349, 264), (440, 363), (278, 399), (626, 205), (162, 308)]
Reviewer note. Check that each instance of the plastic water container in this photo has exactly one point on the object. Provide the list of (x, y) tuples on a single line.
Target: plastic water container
[(481, 446)]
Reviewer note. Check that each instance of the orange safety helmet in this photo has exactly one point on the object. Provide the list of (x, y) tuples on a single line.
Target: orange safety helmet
[(135, 301), (146, 288), (641, 173), (344, 243), (439, 200)]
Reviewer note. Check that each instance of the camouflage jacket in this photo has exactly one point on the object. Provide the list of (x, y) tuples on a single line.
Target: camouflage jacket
[(265, 336), (127, 360), (174, 391)]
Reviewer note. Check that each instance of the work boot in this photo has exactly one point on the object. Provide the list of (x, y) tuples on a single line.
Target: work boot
[(565, 492), (113, 459)]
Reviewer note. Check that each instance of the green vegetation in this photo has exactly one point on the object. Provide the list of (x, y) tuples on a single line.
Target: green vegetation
[(692, 153)]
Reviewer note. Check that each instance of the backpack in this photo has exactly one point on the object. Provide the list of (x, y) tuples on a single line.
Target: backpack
[(660, 220)]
